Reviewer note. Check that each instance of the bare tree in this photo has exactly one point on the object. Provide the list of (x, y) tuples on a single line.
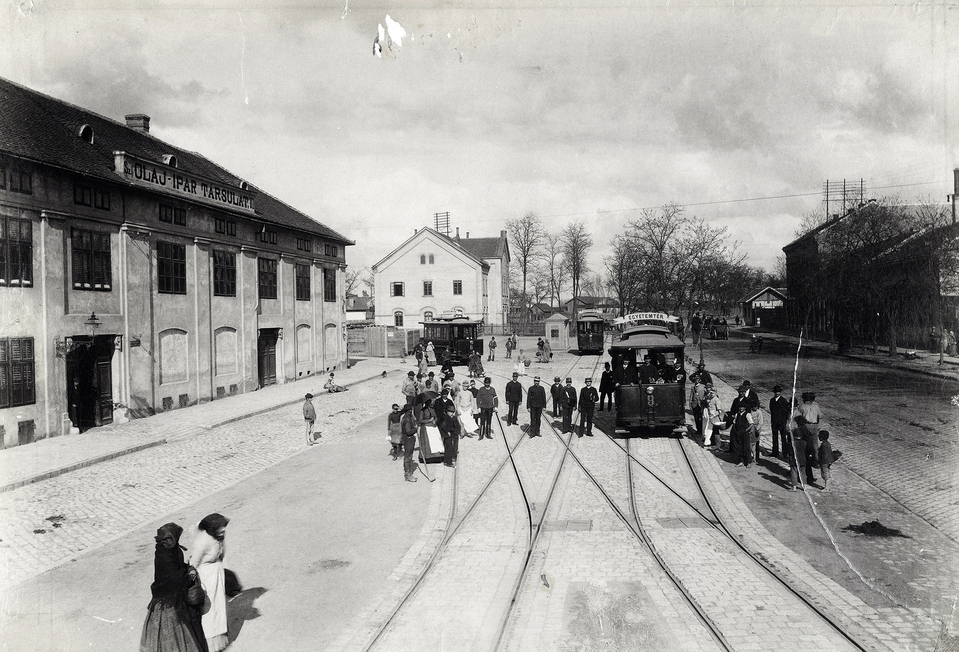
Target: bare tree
[(576, 244), (657, 234), (370, 283), (553, 264), (525, 237), (353, 281)]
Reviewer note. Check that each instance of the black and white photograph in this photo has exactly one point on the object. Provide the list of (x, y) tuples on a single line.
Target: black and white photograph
[(479, 327)]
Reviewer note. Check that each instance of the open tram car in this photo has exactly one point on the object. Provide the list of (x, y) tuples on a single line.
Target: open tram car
[(648, 369), (590, 330), (459, 336)]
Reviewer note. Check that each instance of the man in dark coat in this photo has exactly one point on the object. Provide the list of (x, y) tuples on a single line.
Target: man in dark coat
[(514, 396), (752, 398), (588, 396), (606, 387), (704, 376), (556, 392), (779, 419), (535, 403), (569, 404)]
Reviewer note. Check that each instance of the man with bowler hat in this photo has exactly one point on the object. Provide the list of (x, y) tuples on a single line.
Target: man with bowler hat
[(556, 392), (514, 396), (569, 404), (606, 387), (588, 396), (535, 403), (409, 388), (779, 412)]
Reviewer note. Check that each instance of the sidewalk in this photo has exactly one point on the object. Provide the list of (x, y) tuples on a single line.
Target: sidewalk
[(21, 465), (927, 362)]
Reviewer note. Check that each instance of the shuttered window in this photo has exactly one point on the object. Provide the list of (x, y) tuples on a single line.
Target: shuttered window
[(17, 377), (91, 260)]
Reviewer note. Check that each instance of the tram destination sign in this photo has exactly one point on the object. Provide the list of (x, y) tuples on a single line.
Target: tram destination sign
[(645, 317), (165, 179)]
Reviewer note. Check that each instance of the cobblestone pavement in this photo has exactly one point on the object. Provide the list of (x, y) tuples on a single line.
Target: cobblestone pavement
[(47, 523)]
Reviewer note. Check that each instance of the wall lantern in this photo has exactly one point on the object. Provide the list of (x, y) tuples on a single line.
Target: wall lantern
[(68, 345)]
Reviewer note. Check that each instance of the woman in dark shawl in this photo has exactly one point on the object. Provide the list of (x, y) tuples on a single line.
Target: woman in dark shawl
[(171, 624)]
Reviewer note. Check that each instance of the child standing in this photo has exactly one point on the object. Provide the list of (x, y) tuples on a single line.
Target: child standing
[(795, 453), (309, 416), (393, 429), (826, 458)]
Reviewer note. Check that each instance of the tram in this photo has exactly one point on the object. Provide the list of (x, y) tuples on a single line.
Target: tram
[(590, 330), (458, 336), (648, 369)]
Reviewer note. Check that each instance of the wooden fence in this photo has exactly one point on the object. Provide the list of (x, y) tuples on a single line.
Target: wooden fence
[(381, 341)]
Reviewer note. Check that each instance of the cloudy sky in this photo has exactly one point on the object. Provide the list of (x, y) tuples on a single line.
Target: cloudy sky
[(580, 110)]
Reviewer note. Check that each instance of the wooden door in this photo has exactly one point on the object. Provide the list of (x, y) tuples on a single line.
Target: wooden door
[(266, 358)]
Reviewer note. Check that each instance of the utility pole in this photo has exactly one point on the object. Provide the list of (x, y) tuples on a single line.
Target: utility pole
[(955, 191)]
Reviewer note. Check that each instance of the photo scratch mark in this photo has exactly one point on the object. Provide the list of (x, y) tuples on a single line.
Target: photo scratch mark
[(246, 95)]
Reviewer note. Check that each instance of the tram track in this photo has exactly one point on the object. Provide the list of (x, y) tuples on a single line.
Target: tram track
[(456, 543)]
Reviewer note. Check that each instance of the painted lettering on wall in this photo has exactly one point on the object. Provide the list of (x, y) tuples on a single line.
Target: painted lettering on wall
[(157, 177)]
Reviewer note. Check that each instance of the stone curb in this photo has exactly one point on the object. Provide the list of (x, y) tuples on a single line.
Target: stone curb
[(46, 475)]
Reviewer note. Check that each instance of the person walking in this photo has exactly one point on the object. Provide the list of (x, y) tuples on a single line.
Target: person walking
[(209, 548), (712, 417), (826, 458), (779, 410), (430, 354), (449, 427), (465, 408), (408, 388), (547, 352), (569, 404), (556, 393), (171, 624), (408, 429), (606, 387), (697, 400), (492, 349), (424, 367), (588, 396), (393, 430), (514, 397), (487, 401), (309, 416), (535, 403), (807, 421)]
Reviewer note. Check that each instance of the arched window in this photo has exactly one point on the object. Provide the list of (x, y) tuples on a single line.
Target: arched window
[(428, 315), (398, 318), (422, 259), (431, 259)]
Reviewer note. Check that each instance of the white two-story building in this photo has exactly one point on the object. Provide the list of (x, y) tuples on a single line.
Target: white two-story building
[(431, 273)]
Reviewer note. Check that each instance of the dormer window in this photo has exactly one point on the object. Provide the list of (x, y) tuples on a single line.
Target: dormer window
[(170, 159), (86, 133)]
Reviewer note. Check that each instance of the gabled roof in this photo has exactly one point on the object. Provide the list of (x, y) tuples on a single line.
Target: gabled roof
[(356, 304), (428, 232), (46, 130), (780, 292), (485, 247)]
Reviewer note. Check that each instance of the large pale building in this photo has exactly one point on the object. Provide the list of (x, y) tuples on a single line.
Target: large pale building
[(137, 277), (431, 274)]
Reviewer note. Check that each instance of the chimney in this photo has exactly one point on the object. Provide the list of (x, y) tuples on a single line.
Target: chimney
[(457, 233), (502, 234), (467, 235), (139, 122)]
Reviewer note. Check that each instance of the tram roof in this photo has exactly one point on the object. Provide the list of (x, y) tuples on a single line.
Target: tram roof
[(590, 317), (451, 320), (648, 336)]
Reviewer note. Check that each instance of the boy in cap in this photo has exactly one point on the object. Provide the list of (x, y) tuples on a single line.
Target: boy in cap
[(826, 458), (588, 396), (556, 392), (569, 404), (535, 403), (309, 415), (514, 396), (487, 402), (409, 388)]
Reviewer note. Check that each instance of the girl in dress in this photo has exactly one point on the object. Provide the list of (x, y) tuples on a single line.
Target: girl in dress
[(209, 548)]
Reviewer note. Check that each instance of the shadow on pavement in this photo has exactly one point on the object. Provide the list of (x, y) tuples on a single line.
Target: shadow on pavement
[(241, 609)]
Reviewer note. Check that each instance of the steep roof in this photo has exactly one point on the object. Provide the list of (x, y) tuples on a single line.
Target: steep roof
[(484, 247), (781, 292), (455, 242), (46, 130)]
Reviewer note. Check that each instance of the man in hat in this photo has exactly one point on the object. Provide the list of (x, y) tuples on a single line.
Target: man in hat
[(738, 402), (569, 404), (535, 403), (432, 385), (704, 376), (556, 392), (752, 398), (487, 402), (808, 418), (409, 388), (606, 387), (588, 396), (309, 415), (514, 396), (779, 410)]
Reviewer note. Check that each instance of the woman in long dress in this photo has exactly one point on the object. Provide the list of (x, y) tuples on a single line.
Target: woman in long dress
[(171, 624), (466, 406), (208, 551), (430, 354)]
